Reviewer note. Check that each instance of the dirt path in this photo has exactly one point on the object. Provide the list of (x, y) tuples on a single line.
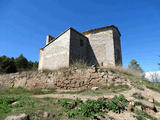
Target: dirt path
[(83, 97), (147, 93), (128, 94)]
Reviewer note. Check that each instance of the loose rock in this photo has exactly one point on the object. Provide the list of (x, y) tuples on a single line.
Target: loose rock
[(94, 88), (18, 117)]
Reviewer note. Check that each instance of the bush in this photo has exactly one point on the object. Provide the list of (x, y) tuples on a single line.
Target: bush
[(65, 103), (117, 104), (93, 107)]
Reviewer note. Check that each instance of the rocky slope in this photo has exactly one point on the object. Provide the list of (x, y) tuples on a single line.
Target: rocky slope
[(143, 96), (67, 79)]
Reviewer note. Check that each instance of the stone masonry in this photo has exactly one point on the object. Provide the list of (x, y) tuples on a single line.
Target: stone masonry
[(69, 79), (99, 46)]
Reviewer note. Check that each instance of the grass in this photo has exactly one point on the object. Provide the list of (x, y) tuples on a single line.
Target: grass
[(33, 106), (156, 103), (136, 78), (23, 91), (102, 90), (78, 64), (143, 115), (29, 105), (138, 96)]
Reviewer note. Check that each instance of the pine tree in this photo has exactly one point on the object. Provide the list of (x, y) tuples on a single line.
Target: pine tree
[(135, 66), (21, 63), (7, 65)]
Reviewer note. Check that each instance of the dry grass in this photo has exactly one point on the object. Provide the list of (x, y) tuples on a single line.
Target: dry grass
[(77, 64), (128, 71)]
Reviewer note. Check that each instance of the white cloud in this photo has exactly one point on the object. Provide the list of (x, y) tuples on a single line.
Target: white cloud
[(153, 75)]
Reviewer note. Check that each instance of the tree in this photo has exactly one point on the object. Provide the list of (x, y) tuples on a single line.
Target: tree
[(135, 66), (11, 65), (21, 63), (7, 65)]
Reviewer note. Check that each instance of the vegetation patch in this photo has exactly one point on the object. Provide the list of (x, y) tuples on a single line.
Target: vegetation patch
[(138, 96), (90, 108), (14, 91), (24, 91), (12, 65), (141, 115), (102, 90), (144, 115), (6, 104), (156, 103)]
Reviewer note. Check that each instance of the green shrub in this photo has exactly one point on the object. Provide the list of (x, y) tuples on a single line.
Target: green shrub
[(93, 107), (117, 104), (65, 103)]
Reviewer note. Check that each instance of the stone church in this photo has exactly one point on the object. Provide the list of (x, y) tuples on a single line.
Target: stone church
[(100, 46)]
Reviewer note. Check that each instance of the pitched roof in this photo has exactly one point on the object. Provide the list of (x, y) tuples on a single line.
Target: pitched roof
[(62, 34), (101, 28)]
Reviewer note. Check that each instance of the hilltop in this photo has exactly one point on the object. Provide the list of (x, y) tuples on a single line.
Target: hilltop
[(81, 92)]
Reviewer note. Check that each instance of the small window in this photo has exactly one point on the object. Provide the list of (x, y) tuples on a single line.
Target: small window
[(81, 43)]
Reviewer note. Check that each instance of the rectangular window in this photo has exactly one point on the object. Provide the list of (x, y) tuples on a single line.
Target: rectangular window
[(81, 43)]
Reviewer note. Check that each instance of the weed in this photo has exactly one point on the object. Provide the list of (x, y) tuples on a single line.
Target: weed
[(138, 96), (15, 91), (93, 107), (117, 104), (144, 114), (6, 104), (156, 103), (140, 118)]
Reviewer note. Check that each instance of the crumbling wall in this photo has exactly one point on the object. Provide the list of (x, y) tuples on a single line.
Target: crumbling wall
[(71, 79)]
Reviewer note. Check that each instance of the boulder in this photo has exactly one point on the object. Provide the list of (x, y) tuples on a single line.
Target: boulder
[(18, 117)]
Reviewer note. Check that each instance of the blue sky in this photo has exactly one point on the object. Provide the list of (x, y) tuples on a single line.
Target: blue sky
[(24, 25)]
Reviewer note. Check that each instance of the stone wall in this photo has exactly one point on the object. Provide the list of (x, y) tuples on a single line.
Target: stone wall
[(117, 47), (70, 79), (56, 54), (102, 46), (78, 46)]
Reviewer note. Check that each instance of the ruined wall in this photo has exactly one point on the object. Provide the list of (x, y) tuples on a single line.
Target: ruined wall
[(56, 54), (78, 46), (71, 79), (117, 47), (102, 47)]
